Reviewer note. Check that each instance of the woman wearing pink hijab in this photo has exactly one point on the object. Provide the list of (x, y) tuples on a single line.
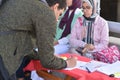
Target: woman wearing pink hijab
[(93, 34)]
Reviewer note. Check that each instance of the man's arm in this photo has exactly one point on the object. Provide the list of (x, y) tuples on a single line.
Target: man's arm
[(45, 24)]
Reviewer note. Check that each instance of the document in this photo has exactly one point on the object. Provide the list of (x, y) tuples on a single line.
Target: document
[(110, 69), (90, 66), (80, 65), (94, 65)]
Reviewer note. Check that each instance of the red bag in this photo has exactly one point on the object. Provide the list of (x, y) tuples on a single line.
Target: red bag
[(109, 55)]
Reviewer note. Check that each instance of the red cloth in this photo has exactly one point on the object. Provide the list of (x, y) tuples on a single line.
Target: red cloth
[(76, 73)]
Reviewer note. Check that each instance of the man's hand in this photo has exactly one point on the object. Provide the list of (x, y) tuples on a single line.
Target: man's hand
[(56, 42), (71, 62)]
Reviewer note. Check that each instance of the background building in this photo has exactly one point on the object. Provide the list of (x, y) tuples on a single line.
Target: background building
[(110, 10)]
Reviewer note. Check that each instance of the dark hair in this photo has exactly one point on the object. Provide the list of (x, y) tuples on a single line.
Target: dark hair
[(2, 2), (62, 3)]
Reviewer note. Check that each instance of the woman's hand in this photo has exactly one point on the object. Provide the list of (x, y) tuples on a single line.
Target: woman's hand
[(85, 50), (89, 47)]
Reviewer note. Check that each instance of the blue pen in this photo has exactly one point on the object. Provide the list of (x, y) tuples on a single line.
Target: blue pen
[(88, 70)]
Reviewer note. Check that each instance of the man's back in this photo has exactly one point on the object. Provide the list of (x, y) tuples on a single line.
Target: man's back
[(18, 20), (18, 14)]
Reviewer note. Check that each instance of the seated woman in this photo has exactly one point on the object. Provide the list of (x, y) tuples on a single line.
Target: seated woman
[(65, 24), (93, 34)]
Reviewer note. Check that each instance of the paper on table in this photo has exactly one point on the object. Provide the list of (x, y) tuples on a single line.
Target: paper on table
[(110, 69), (93, 65), (80, 64)]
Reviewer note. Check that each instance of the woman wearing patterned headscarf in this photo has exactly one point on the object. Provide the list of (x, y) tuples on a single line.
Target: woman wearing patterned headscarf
[(65, 25), (93, 34)]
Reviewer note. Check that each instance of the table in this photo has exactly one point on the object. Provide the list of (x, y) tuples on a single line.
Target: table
[(78, 74)]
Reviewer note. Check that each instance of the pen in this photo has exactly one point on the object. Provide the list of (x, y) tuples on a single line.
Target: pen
[(88, 70)]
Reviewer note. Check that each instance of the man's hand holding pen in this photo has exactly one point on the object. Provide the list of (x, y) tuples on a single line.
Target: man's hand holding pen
[(71, 62)]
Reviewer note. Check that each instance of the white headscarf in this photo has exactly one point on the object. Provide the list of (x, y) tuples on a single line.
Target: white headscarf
[(95, 4), (88, 22), (88, 1)]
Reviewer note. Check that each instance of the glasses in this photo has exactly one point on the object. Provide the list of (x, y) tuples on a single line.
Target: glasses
[(87, 7)]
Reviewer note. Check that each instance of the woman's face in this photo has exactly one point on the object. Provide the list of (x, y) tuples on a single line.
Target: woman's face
[(69, 2), (87, 9)]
